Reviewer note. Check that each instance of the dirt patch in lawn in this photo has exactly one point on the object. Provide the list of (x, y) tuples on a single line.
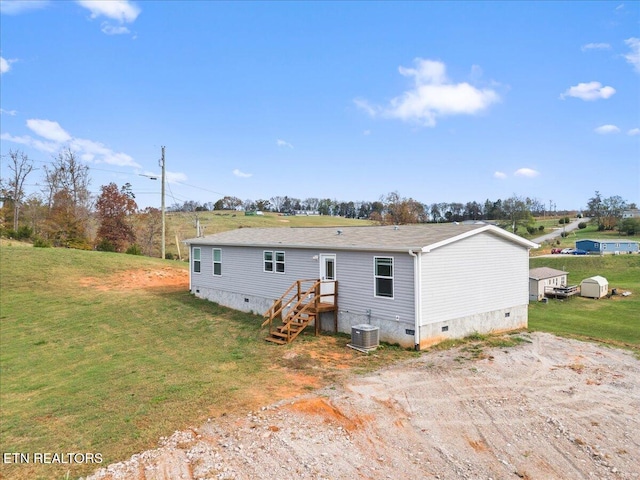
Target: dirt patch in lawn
[(547, 408), (165, 278)]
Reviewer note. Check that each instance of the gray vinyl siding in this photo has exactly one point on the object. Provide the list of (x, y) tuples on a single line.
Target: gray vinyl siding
[(479, 274), (242, 273), (356, 287)]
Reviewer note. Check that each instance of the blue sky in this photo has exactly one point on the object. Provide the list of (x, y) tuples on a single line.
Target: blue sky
[(439, 101)]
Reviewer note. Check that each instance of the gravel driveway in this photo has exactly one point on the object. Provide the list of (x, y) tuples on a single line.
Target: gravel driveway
[(550, 408)]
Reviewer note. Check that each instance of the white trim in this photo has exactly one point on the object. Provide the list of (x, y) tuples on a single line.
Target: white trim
[(264, 261), (487, 228), (213, 262), (276, 262), (376, 276), (193, 260)]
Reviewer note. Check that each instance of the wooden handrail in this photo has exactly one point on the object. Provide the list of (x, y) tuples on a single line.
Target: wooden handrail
[(280, 304)]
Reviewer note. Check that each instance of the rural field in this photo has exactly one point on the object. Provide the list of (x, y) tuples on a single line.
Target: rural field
[(109, 353)]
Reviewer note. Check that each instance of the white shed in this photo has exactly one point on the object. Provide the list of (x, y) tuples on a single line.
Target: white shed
[(594, 287)]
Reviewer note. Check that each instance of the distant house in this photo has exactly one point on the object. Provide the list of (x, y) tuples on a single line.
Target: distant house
[(633, 213), (594, 287), (543, 279), (608, 246), (420, 284)]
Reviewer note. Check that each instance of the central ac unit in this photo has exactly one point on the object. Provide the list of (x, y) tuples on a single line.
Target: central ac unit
[(364, 337)]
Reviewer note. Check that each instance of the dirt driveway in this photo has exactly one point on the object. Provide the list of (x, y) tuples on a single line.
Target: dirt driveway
[(549, 408)]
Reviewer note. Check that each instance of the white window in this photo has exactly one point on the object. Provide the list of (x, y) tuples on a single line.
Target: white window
[(279, 262), (273, 262), (217, 261), (196, 259), (383, 276), (268, 261)]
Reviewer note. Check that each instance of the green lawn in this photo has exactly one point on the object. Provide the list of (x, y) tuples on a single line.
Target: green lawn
[(88, 370), (615, 320), (111, 371)]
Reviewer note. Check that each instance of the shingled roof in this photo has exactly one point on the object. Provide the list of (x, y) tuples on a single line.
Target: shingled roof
[(542, 273), (388, 238)]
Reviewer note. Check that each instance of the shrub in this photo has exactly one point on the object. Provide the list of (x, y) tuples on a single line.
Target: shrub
[(582, 225), (561, 221), (564, 234), (134, 250), (541, 228), (567, 220), (23, 233), (531, 230), (105, 246), (41, 243), (168, 256)]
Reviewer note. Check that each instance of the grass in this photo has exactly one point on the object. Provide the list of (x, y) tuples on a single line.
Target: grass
[(87, 370), (615, 321)]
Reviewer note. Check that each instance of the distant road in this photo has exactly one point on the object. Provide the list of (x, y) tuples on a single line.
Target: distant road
[(556, 233)]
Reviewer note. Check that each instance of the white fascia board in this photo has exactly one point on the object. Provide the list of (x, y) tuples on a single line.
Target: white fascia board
[(487, 228)]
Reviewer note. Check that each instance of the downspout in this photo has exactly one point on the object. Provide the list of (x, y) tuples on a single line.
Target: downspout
[(190, 269), (417, 294)]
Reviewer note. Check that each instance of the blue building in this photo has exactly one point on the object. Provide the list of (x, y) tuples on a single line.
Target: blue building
[(608, 246)]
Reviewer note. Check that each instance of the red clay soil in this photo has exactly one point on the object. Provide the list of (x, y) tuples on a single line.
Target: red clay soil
[(166, 278)]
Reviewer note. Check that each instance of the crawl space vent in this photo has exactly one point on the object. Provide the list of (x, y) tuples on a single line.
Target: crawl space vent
[(364, 337)]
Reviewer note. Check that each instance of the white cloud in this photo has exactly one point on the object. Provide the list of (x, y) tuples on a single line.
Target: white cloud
[(49, 130), (240, 174), (596, 46), (55, 137), (500, 175), (633, 132), (174, 177), (433, 95), (121, 10), (111, 30), (526, 172), (589, 91), (16, 7), (5, 65), (607, 129), (282, 143), (13, 113), (633, 57)]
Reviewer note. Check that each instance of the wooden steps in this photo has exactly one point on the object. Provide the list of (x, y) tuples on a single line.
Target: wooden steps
[(296, 309)]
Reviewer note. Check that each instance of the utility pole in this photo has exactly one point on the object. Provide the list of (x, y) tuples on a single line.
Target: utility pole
[(162, 204)]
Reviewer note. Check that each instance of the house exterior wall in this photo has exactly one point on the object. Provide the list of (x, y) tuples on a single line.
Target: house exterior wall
[(478, 284), (608, 246), (537, 287), (244, 286)]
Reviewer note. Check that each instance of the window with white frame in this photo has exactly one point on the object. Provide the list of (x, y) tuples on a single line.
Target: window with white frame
[(268, 261), (196, 259), (217, 262), (273, 261), (279, 262), (383, 274)]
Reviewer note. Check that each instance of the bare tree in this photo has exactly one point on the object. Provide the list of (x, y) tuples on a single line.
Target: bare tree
[(67, 173), (68, 199), (20, 166)]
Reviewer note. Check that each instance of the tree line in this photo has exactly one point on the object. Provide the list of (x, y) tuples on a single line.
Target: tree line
[(65, 213)]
